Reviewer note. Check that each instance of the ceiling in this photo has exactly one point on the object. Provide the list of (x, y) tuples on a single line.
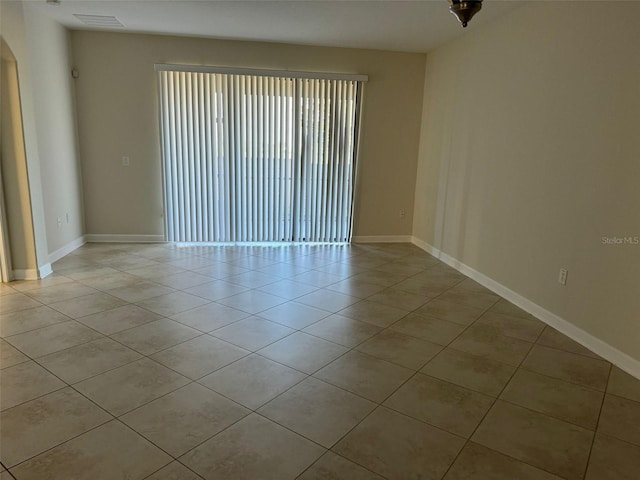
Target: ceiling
[(410, 26)]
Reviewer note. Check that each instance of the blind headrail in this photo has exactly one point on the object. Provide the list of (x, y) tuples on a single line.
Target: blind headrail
[(163, 67)]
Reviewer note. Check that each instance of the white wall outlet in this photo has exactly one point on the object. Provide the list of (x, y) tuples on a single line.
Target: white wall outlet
[(403, 213), (59, 222), (125, 161), (562, 276)]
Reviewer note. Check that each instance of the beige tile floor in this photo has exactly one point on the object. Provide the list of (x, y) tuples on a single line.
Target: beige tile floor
[(313, 362)]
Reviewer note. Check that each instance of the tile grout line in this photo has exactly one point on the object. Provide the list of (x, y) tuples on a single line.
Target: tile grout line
[(469, 439), (66, 385), (343, 457), (593, 439), (174, 460)]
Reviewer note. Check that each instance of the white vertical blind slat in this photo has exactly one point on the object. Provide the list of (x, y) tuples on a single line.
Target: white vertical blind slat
[(242, 158), (254, 155), (189, 160), (225, 161), (297, 165), (199, 161), (339, 158), (277, 156), (166, 105), (261, 158), (313, 140), (335, 170), (220, 154), (305, 163), (207, 131), (182, 143)]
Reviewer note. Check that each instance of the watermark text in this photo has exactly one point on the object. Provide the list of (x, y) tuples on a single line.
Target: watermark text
[(622, 240)]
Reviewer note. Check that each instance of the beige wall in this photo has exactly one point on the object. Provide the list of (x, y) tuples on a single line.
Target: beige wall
[(15, 178), (117, 115), (53, 94), (30, 251), (530, 153)]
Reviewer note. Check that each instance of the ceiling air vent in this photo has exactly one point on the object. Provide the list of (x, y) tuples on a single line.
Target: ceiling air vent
[(105, 21)]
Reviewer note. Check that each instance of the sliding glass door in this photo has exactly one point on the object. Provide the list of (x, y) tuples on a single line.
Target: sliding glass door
[(258, 158)]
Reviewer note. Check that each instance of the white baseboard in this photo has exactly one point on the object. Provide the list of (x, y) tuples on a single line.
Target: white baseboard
[(67, 249), (118, 238), (606, 351), (45, 270), (25, 274), (423, 245), (382, 239), (32, 273)]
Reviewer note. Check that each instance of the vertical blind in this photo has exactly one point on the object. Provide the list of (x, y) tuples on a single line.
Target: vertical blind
[(258, 158)]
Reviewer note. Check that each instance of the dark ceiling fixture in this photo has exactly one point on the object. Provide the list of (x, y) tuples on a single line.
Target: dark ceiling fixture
[(464, 10)]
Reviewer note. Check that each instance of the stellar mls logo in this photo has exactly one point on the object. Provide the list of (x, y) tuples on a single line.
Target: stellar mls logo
[(621, 240)]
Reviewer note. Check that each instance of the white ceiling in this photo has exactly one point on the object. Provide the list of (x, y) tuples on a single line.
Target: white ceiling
[(411, 26)]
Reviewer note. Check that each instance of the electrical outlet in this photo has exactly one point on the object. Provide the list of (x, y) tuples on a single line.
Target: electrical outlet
[(562, 276), (125, 161), (403, 214), (59, 222)]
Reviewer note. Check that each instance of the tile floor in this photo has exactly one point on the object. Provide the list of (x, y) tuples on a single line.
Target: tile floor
[(348, 362)]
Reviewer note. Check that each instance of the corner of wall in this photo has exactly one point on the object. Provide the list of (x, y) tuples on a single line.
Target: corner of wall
[(606, 351)]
